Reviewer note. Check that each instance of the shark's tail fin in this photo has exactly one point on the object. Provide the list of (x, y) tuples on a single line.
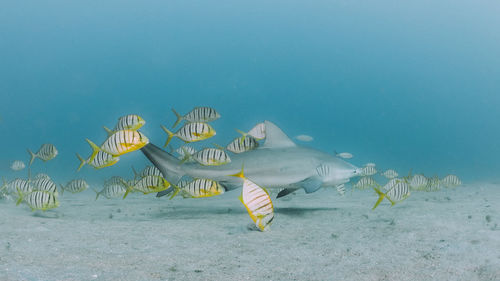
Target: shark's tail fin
[(168, 165)]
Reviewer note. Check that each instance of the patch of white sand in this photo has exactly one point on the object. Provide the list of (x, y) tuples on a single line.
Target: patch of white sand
[(445, 235)]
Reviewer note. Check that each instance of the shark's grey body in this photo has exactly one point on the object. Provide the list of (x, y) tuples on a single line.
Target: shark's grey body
[(279, 163)]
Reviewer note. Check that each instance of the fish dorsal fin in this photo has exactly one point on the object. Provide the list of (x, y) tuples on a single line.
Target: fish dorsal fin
[(275, 138)]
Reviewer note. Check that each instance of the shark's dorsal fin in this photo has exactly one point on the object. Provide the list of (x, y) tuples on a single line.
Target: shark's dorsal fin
[(275, 138)]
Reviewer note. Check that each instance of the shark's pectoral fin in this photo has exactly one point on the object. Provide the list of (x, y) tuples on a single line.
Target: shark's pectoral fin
[(286, 191), (311, 184)]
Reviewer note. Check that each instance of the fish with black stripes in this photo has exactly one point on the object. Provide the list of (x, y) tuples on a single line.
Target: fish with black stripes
[(451, 181), (98, 159), (242, 144), (39, 200), (198, 188), (45, 185), (127, 122), (46, 152), (398, 191), (113, 190), (147, 185), (186, 153), (198, 114), (75, 186), (191, 132), (390, 174), (124, 141), (212, 157), (257, 202)]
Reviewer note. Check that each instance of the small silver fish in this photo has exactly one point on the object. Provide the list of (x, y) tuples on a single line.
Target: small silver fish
[(368, 171), (149, 171), (75, 186), (199, 188), (39, 200), (242, 144), (390, 174), (45, 185), (98, 159), (22, 185), (191, 132), (186, 153), (212, 157), (147, 185), (127, 122), (344, 155), (304, 138), (365, 182), (198, 114), (46, 152), (399, 191), (111, 191), (451, 181), (418, 182), (17, 165), (41, 176), (124, 141)]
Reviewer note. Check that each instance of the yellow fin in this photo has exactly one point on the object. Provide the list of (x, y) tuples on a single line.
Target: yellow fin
[(33, 156), (380, 198), (82, 162), (95, 149), (169, 137), (109, 131), (179, 118), (240, 174)]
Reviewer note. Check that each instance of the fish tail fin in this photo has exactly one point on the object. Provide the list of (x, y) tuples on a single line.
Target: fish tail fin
[(95, 149), (176, 191), (136, 175), (242, 133), (240, 174), (129, 188), (108, 130), (170, 135), (21, 196), (219, 147), (179, 118), (97, 193), (82, 162), (4, 184), (33, 156), (380, 198), (62, 189)]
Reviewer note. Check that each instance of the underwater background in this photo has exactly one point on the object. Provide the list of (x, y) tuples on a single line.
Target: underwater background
[(411, 85)]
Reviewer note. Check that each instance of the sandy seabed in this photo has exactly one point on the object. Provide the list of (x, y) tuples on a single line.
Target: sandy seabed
[(444, 235)]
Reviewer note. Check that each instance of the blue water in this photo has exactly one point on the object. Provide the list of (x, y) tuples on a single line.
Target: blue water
[(404, 85)]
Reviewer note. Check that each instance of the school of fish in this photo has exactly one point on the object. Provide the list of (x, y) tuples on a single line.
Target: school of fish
[(40, 192)]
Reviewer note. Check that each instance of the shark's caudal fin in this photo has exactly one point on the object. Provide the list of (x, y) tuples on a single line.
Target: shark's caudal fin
[(275, 138), (168, 165)]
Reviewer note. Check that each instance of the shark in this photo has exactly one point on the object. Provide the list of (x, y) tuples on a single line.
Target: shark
[(278, 164)]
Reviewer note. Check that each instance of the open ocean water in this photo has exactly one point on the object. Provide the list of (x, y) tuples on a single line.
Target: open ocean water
[(410, 86)]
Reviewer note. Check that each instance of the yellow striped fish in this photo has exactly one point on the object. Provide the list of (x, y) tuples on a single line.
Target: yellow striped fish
[(212, 157), (46, 152), (39, 200), (111, 191), (198, 114), (147, 185), (41, 176), (365, 182), (45, 184), (124, 141), (148, 171), (185, 153), (398, 191), (368, 171), (418, 182), (198, 188), (98, 159), (191, 132), (390, 174), (242, 144), (75, 186), (451, 181), (257, 202), (23, 185), (258, 132), (127, 122)]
